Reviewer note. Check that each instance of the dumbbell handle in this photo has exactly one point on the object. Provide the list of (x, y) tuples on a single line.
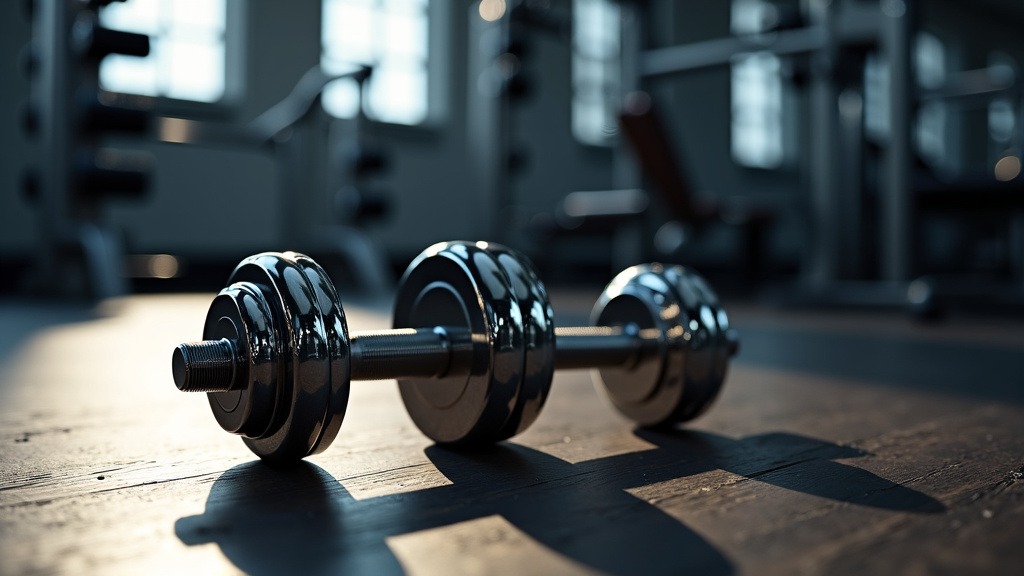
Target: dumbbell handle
[(408, 353), (443, 350), (602, 346)]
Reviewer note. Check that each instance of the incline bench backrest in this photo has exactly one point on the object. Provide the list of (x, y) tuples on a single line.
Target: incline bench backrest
[(645, 132)]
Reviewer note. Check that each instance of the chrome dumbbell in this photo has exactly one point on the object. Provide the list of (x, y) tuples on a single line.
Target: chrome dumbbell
[(474, 348)]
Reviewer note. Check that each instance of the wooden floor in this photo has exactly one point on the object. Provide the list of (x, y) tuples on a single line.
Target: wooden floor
[(842, 444)]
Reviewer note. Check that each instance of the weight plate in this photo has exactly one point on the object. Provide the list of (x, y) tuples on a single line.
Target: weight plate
[(685, 378), (462, 284), (241, 313), (338, 350), (709, 350), (648, 392), (304, 389), (538, 339)]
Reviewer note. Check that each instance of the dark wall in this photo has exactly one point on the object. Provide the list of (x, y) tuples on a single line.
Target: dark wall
[(15, 216)]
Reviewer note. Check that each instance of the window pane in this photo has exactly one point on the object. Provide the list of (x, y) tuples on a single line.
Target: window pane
[(405, 35), (929, 60), (341, 98), (128, 74), (407, 5), (393, 37), (876, 97), (595, 69), (587, 121), (756, 129), (398, 94), (1002, 112), (596, 28), (757, 111), (186, 57), (587, 74), (349, 31), (194, 71), (751, 16), (142, 16), (931, 132), (338, 66), (200, 16), (1001, 120)]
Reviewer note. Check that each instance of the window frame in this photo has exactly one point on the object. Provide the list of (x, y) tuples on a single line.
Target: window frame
[(744, 20), (234, 42), (611, 67), (438, 91)]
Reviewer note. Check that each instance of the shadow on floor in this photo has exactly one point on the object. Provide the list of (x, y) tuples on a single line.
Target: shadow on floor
[(302, 520), (981, 371)]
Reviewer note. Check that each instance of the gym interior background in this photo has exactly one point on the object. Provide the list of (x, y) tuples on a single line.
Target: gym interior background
[(744, 126), (841, 171)]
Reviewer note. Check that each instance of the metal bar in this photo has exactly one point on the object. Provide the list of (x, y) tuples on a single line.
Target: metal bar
[(719, 52), (299, 101), (262, 130), (204, 133), (51, 31), (423, 353), (896, 217), (447, 351), (823, 260), (406, 353), (601, 346), (984, 84)]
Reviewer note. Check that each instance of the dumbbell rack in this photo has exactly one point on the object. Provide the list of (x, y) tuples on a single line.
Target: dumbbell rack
[(79, 254)]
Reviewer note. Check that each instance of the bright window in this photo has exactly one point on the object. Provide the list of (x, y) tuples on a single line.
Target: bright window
[(393, 37), (756, 82), (931, 126), (596, 35), (1002, 113), (186, 59), (931, 131), (757, 110)]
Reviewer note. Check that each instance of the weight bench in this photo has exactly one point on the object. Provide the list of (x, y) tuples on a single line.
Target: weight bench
[(605, 210)]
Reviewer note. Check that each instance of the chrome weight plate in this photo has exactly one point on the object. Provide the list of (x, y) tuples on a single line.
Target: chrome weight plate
[(304, 386), (463, 284), (660, 389), (241, 313), (538, 339), (709, 346), (338, 350)]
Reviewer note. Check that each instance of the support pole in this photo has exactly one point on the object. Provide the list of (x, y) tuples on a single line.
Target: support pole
[(897, 234)]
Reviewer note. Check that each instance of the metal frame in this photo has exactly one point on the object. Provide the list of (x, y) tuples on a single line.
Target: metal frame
[(79, 254), (294, 130)]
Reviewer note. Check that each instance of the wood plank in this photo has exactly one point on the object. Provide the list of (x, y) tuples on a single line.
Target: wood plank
[(804, 466)]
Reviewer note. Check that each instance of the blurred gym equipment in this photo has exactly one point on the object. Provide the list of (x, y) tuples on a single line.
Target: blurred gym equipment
[(80, 253), (295, 132)]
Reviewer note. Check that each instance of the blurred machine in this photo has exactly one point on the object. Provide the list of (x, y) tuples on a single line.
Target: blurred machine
[(75, 176), (327, 169), (327, 190), (868, 191), (507, 34), (867, 194)]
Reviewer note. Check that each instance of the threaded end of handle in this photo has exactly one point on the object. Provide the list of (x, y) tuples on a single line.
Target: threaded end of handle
[(207, 366)]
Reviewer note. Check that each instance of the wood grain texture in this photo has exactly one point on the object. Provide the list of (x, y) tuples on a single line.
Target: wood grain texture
[(841, 445)]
